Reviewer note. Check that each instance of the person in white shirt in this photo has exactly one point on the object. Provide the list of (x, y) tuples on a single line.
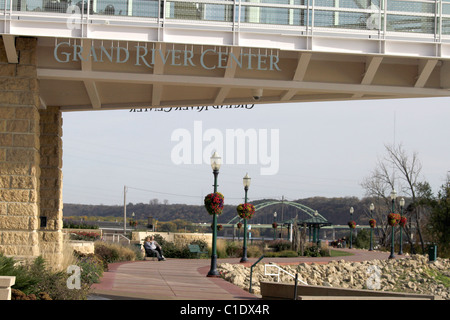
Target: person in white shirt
[(150, 245)]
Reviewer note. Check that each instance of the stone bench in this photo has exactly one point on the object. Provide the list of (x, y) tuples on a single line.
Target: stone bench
[(6, 283)]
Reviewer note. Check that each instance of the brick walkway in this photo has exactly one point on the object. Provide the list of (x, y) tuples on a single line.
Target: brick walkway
[(185, 279)]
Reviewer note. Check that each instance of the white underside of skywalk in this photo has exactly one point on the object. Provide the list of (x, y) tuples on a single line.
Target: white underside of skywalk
[(308, 64)]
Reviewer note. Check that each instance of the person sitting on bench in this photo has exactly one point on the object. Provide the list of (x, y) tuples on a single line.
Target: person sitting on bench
[(151, 246)]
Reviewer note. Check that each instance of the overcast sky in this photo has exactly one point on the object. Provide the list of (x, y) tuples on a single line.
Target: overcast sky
[(302, 150)]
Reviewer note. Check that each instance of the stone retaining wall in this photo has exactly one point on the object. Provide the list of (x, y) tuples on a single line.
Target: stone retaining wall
[(412, 274), (85, 247), (178, 238)]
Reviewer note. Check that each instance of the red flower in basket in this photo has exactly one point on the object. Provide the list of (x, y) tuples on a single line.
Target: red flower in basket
[(246, 210), (403, 221), (372, 223), (352, 224), (218, 227), (274, 225), (214, 203), (393, 219)]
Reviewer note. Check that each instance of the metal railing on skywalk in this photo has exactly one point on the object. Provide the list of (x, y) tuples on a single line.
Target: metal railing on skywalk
[(420, 18)]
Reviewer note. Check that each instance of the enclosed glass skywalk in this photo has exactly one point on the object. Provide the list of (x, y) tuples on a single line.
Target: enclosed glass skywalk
[(426, 17)]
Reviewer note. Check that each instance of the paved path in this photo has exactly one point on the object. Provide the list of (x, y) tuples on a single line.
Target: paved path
[(185, 279)]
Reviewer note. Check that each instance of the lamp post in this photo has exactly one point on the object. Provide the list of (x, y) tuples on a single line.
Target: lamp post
[(246, 181), (393, 197), (216, 162), (371, 208), (351, 231), (402, 204), (274, 227)]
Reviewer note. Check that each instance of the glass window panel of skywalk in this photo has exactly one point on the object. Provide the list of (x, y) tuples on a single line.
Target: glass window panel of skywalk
[(412, 16)]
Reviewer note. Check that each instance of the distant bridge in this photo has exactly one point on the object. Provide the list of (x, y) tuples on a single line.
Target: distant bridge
[(309, 211)]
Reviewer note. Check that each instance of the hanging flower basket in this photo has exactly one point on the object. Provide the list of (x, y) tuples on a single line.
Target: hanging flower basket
[(214, 203), (403, 221), (274, 225), (393, 219), (372, 223), (218, 227), (239, 225), (352, 224), (246, 210)]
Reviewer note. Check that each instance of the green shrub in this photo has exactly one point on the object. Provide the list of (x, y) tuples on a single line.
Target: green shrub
[(85, 236), (173, 250), (36, 281), (106, 252), (316, 251), (81, 225), (362, 240), (280, 245), (92, 267), (284, 254), (24, 281), (233, 249), (254, 252), (112, 252)]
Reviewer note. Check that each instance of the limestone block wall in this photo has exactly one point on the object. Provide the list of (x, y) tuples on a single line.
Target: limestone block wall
[(85, 247), (51, 202), (19, 152), (178, 238), (30, 161)]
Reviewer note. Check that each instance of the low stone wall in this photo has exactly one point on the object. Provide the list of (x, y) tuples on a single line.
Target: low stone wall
[(96, 231), (178, 238), (85, 247), (284, 291), (6, 283)]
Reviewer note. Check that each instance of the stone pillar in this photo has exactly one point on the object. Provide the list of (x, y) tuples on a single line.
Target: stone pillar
[(30, 162), (5, 287), (19, 152), (51, 204)]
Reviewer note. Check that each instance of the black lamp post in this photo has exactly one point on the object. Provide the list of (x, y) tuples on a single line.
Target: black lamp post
[(216, 161), (393, 197), (402, 204), (274, 225), (372, 207), (351, 231), (246, 181)]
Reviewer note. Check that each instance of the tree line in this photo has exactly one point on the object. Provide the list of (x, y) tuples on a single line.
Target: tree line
[(336, 210)]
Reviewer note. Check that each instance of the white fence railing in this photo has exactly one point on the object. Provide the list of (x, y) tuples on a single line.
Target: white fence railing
[(115, 237), (278, 271)]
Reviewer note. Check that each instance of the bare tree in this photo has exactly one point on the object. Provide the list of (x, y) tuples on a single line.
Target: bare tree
[(401, 171), (378, 186)]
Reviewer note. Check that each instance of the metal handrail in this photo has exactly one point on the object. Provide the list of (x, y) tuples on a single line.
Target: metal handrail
[(116, 237), (271, 264), (251, 273)]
